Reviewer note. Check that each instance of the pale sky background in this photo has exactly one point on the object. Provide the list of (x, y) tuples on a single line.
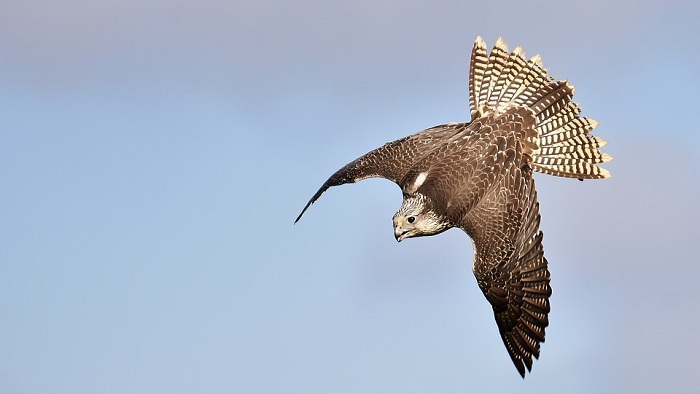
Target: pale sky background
[(154, 155)]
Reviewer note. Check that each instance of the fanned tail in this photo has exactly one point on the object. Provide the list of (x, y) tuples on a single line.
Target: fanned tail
[(564, 145)]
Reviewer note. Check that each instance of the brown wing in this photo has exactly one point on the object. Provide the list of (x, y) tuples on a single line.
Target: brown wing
[(509, 262), (460, 172), (390, 161)]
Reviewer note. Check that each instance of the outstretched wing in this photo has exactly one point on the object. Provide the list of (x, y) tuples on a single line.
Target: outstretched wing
[(390, 161), (509, 262)]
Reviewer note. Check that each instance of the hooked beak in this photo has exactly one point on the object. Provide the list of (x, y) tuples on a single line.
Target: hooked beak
[(400, 234)]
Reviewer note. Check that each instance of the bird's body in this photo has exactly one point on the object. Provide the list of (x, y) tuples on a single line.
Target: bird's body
[(477, 176)]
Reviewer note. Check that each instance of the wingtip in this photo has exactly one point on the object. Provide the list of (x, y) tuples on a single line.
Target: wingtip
[(520, 366), (313, 199), (308, 204)]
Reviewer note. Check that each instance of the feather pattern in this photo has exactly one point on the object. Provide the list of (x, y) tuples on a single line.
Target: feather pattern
[(507, 79), (478, 176)]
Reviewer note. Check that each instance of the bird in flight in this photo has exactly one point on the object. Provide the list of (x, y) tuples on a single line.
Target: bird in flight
[(478, 176)]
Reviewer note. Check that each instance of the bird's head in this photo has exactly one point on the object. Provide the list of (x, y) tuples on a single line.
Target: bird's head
[(415, 218)]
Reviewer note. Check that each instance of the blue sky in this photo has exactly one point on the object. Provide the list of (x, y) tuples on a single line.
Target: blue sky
[(154, 155)]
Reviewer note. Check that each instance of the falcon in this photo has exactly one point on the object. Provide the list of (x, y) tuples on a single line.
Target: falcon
[(478, 176)]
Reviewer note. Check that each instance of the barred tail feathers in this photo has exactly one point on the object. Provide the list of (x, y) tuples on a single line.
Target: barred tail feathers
[(504, 79)]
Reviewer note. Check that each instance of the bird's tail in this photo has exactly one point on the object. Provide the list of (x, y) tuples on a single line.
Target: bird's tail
[(564, 145)]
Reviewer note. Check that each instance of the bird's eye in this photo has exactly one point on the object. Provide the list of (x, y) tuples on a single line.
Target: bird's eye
[(411, 219)]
